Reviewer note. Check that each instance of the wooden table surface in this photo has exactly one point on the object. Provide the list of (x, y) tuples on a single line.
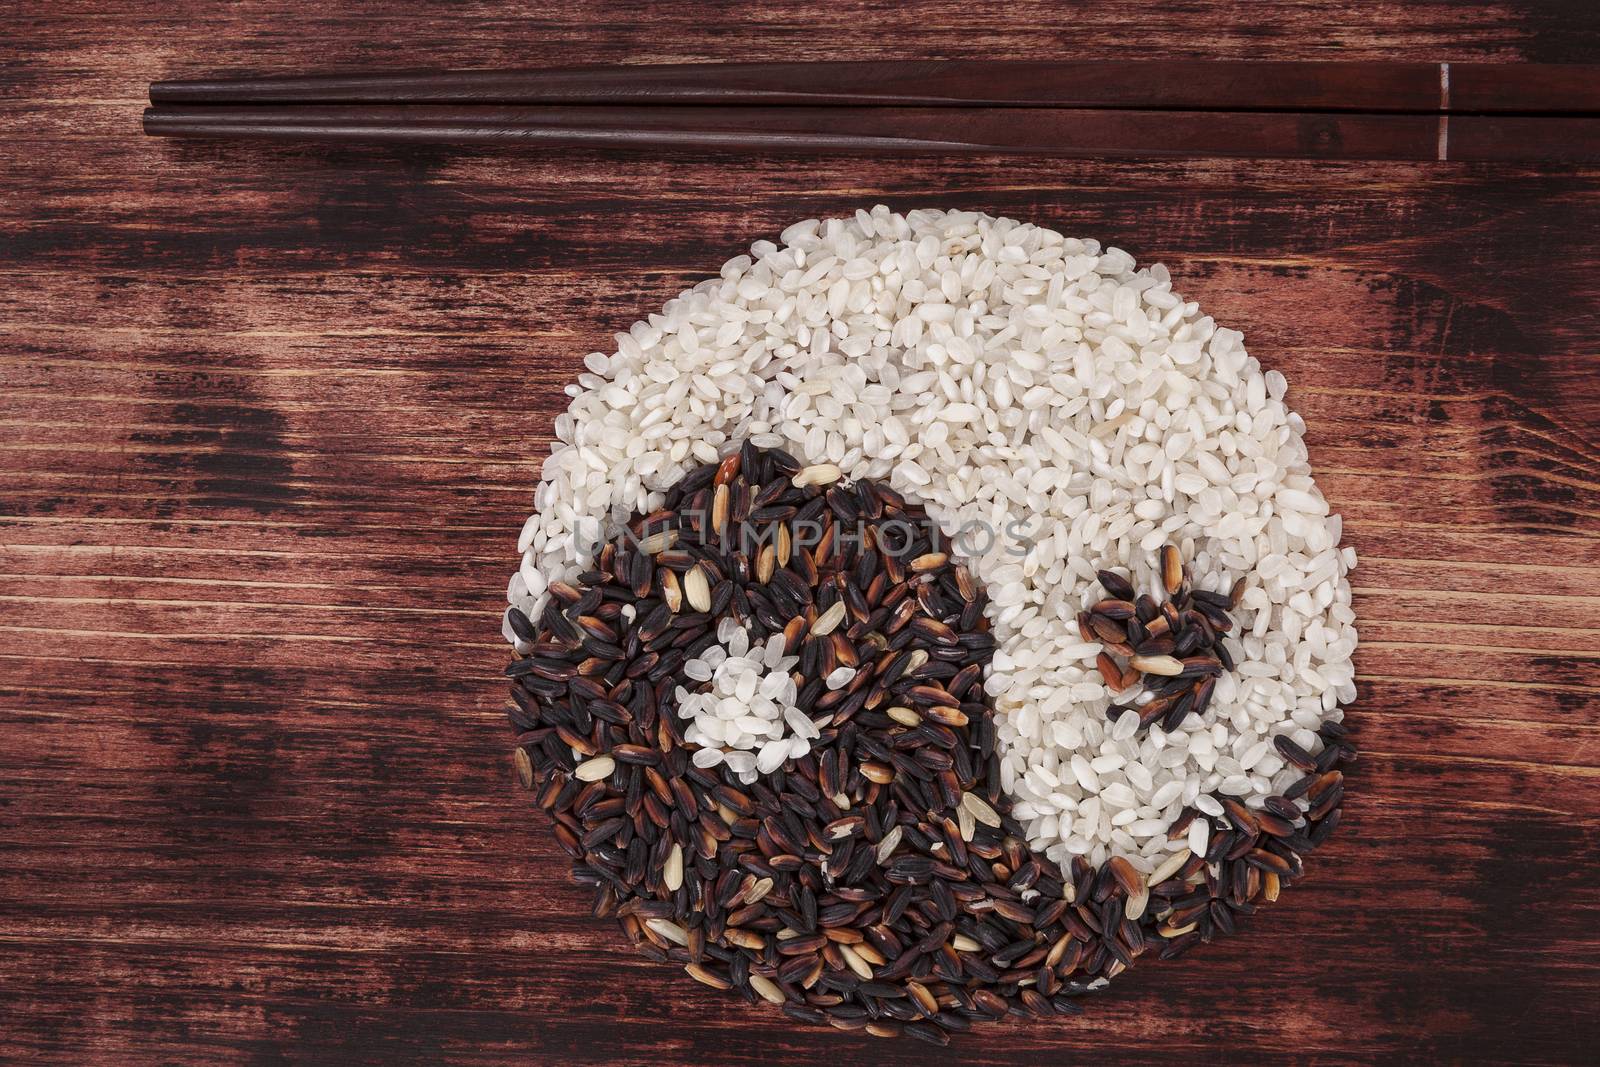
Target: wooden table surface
[(270, 419)]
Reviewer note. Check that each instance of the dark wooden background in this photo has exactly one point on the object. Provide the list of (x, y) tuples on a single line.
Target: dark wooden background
[(270, 419)]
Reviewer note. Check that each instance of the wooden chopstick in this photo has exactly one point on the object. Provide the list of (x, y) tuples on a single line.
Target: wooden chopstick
[(1314, 110), (1032, 131), (1175, 85)]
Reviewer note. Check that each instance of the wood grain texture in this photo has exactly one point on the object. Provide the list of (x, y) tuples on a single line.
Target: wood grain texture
[(271, 418)]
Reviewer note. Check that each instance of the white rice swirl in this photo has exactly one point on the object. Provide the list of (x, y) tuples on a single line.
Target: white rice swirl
[(1001, 373)]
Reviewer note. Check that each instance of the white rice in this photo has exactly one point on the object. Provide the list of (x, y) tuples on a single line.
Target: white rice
[(748, 707), (1045, 389)]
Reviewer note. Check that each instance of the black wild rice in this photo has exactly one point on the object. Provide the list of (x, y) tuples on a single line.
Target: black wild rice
[(877, 883), (1175, 647)]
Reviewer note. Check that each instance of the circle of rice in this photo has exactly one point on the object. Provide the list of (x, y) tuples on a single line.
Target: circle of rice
[(1058, 410)]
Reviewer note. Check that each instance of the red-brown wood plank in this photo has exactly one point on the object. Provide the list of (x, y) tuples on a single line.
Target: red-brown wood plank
[(270, 419)]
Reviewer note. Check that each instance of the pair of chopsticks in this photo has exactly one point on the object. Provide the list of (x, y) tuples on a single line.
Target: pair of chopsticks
[(1315, 110)]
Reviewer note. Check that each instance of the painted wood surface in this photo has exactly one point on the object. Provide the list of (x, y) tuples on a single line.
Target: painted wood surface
[(271, 417)]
